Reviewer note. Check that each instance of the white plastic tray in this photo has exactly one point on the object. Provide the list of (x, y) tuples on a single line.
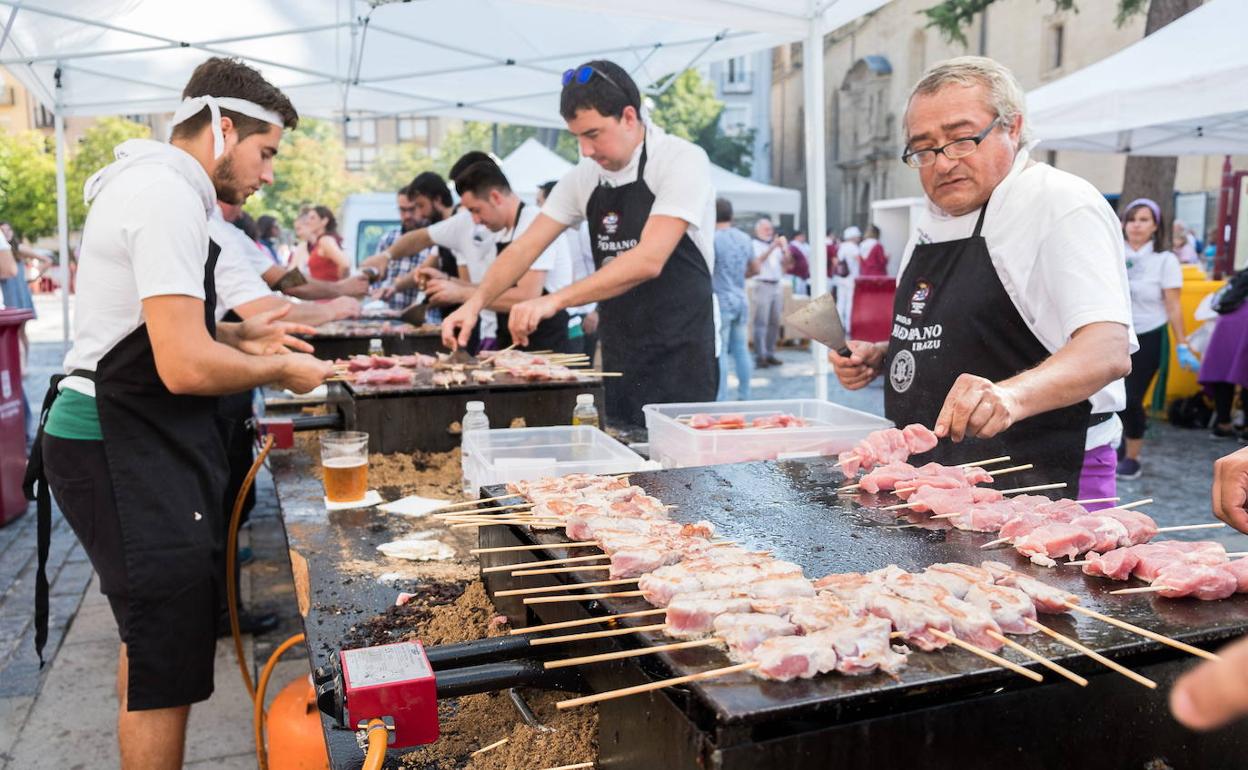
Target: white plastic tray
[(518, 454)]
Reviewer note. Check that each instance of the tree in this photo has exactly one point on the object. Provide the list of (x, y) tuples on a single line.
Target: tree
[(94, 152), (310, 168), (28, 184), (688, 109), (952, 16), (396, 166)]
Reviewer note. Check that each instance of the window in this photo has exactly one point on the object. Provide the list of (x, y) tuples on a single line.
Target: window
[(413, 129), (734, 119), (353, 128), (355, 158), (43, 117), (737, 75), (1057, 43)]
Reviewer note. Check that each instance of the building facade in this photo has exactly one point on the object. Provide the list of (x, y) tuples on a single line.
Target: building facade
[(743, 84)]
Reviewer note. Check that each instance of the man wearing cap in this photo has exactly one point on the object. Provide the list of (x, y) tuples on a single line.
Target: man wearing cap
[(1011, 322), (129, 443), (650, 205)]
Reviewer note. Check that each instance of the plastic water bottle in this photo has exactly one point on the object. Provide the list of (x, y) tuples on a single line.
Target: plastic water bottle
[(585, 412), (375, 347), (474, 420)]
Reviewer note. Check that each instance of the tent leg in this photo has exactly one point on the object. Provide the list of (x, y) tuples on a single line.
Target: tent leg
[(62, 222), (816, 184)]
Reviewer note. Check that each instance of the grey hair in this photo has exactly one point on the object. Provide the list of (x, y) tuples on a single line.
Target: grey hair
[(1005, 95)]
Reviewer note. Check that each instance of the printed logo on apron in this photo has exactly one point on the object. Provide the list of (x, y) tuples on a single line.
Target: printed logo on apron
[(901, 373), (918, 300), (611, 248)]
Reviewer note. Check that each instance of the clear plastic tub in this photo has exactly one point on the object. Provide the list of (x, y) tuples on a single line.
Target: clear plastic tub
[(518, 454), (831, 429)]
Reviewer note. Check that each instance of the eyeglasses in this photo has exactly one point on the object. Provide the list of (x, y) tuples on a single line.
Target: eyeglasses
[(954, 150), (584, 73)]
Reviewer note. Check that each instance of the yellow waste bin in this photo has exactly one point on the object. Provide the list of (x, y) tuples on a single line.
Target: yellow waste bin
[(1181, 383)]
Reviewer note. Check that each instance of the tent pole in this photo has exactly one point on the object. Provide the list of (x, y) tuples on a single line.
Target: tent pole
[(62, 210), (816, 183)]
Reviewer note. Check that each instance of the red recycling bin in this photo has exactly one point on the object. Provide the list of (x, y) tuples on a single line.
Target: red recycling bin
[(872, 311), (12, 417)]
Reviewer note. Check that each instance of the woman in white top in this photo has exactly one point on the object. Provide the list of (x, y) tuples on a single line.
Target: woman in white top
[(1156, 280)]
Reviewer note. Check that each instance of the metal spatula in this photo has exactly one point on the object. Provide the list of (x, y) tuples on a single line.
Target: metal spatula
[(414, 314), (820, 321)]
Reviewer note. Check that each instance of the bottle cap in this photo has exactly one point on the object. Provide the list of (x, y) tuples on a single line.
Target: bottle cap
[(584, 399), (476, 406)]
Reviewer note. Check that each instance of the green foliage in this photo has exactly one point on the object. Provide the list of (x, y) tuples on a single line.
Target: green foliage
[(689, 109), (28, 183), (310, 168), (94, 152), (951, 17), (396, 166)]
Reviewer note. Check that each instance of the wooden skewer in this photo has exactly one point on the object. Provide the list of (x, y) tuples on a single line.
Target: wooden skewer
[(602, 374), (472, 502), (1035, 488), (577, 766), (475, 511), (1003, 459), (589, 621), (981, 652), (561, 570), (1037, 657), (1191, 526), (581, 597), (1234, 555), (998, 541), (1093, 654), (1143, 590), (527, 564), (512, 522), (1156, 637), (1091, 500), (995, 474), (539, 547), (562, 587), (605, 656), (491, 747), (1127, 506), (990, 461), (659, 685), (596, 634)]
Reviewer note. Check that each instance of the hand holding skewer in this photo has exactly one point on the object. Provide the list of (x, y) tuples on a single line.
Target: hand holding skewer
[(1230, 489)]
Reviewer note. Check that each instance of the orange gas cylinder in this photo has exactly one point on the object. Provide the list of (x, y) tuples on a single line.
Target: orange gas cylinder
[(296, 741)]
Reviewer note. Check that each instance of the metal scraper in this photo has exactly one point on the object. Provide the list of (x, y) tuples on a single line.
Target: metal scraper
[(414, 314), (820, 321)]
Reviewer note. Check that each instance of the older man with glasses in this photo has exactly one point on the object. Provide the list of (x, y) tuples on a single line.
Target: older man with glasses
[(1012, 321)]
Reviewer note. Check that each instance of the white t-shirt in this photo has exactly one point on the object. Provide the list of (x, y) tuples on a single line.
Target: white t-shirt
[(239, 266), (1149, 273), (1057, 248), (850, 254), (556, 260), (146, 235), (677, 172), (771, 270), (474, 249)]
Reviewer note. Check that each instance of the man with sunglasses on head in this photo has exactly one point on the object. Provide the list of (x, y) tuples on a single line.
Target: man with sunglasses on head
[(1012, 317), (650, 205)]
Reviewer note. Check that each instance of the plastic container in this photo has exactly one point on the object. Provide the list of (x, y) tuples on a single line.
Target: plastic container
[(832, 429), (474, 421), (517, 454), (585, 412)]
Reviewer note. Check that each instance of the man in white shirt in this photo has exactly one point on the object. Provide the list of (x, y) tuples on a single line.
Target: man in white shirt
[(650, 205), (1012, 326), (766, 292), (849, 267), (129, 444)]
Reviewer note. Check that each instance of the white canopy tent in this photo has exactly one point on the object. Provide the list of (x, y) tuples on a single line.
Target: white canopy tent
[(1181, 91), (495, 60), (531, 165)]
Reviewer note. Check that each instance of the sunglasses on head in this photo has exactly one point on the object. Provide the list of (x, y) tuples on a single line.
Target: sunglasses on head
[(584, 73)]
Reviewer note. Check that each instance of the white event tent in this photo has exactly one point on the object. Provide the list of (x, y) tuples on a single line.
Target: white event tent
[(493, 60), (1181, 91)]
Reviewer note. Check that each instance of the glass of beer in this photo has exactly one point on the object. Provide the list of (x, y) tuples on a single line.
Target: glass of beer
[(344, 462)]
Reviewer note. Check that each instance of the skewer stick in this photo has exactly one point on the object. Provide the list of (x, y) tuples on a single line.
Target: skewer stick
[(527, 564), (1093, 654), (561, 570), (998, 541), (539, 547), (596, 634), (577, 766), (563, 587), (451, 506), (1129, 506), (995, 474), (593, 373), (581, 597), (1091, 500), (1003, 459), (1037, 657), (981, 652), (1036, 488), (1156, 637), (659, 685), (491, 747), (1082, 562), (1191, 526), (1143, 590), (475, 511), (589, 621), (512, 522), (605, 656)]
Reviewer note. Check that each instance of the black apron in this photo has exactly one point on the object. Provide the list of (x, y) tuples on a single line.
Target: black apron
[(661, 333), (952, 315), (550, 334), (168, 471)]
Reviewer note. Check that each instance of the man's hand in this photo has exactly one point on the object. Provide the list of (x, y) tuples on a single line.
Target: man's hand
[(589, 324), (1214, 692), (457, 327), (266, 334), (344, 307), (378, 261), (426, 274), (1230, 489), (353, 285), (861, 367), (301, 372), (447, 291), (525, 316), (383, 294), (976, 407)]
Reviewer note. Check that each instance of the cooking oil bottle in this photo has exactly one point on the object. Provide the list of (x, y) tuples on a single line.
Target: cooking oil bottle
[(585, 412)]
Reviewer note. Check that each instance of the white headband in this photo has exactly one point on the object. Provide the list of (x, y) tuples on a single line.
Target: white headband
[(191, 107)]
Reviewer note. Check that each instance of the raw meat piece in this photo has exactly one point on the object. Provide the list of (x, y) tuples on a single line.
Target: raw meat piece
[(1054, 541), (1115, 565), (919, 439), (887, 446), (862, 646), (1238, 568), (1047, 599), (957, 579), (931, 500), (1204, 582), (783, 658), (1009, 607), (1109, 532), (913, 620), (743, 631), (1140, 526)]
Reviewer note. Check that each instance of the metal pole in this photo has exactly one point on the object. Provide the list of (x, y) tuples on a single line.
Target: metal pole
[(62, 211), (816, 183)]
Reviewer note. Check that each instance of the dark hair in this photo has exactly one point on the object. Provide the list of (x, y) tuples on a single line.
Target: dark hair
[(609, 90), (873, 232), (331, 227), (1159, 235), (265, 225), (431, 186), (247, 225), (480, 178), (546, 187), (723, 210), (230, 77), (467, 159)]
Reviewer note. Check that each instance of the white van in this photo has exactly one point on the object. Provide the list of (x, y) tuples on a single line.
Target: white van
[(365, 218)]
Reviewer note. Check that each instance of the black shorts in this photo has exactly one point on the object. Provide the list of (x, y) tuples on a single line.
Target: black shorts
[(169, 631)]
